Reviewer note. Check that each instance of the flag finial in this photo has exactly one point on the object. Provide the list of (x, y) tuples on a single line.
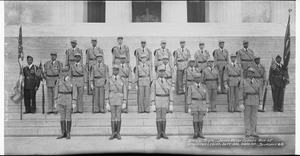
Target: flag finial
[(290, 10)]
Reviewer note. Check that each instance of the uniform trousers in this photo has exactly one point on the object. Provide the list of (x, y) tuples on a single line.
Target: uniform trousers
[(278, 94), (161, 114), (65, 112), (179, 82), (144, 99), (79, 104), (29, 95), (212, 93), (50, 98), (198, 116), (116, 111), (250, 118), (99, 99), (234, 97)]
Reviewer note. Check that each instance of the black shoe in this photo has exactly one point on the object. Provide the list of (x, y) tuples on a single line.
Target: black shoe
[(255, 135), (32, 112), (280, 110), (55, 112), (275, 110), (147, 112), (125, 111), (63, 130), (49, 112), (237, 111), (96, 112), (26, 112), (80, 112), (247, 136), (261, 111)]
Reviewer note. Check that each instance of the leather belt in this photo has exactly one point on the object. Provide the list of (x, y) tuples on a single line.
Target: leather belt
[(198, 99), (117, 57), (234, 75), (221, 60), (162, 95), (180, 60), (71, 60), (77, 75), (65, 92), (190, 80), (201, 61), (143, 76), (98, 77), (52, 75), (125, 76), (258, 77), (168, 77), (211, 79), (93, 59), (251, 93), (245, 60)]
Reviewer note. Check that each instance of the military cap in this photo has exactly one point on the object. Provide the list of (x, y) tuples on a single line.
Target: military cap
[(210, 60), (161, 68), (182, 41), (77, 54), (232, 55), (251, 69), (143, 56), (94, 39), (123, 56), (256, 57), (278, 56), (99, 55), (245, 41), (221, 41), (63, 69), (201, 43), (165, 57), (143, 41), (120, 38), (197, 75), (53, 53), (115, 66), (163, 42), (191, 60), (73, 41), (28, 56)]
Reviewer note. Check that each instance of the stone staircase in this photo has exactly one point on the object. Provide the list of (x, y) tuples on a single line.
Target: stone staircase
[(178, 123)]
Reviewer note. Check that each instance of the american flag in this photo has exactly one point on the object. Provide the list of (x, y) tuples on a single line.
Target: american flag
[(287, 44), (20, 48)]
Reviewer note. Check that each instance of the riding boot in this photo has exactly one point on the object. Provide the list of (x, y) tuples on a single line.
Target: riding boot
[(63, 130), (69, 124), (164, 130), (195, 124), (113, 130), (158, 126), (200, 130), (118, 130)]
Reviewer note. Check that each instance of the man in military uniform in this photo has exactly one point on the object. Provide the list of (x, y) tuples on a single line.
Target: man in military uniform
[(232, 76), (181, 57), (31, 85), (279, 78), (201, 56), (91, 60), (245, 57), (79, 74), (125, 74), (161, 101), (143, 50), (221, 58), (198, 101), (260, 75), (188, 79), (250, 100), (170, 72), (70, 54), (115, 98), (65, 101), (159, 53), (118, 50), (51, 73), (211, 78), (143, 76), (98, 78)]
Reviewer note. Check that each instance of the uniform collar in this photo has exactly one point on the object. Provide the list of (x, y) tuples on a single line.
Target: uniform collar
[(29, 66), (221, 49), (246, 49)]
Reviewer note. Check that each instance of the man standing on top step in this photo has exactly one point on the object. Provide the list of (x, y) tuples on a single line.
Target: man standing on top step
[(250, 101), (221, 58), (181, 57), (161, 101), (125, 74), (119, 50), (51, 73), (201, 56), (170, 72), (65, 101), (245, 57), (159, 53), (70, 54), (115, 98), (198, 101), (143, 50)]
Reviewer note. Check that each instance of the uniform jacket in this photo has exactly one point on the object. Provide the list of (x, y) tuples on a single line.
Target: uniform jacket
[(208, 74), (180, 56), (220, 58), (249, 92), (169, 74), (232, 74), (31, 79), (278, 76), (259, 73), (79, 74), (65, 86), (70, 55), (117, 52), (115, 91), (242, 54), (158, 88), (198, 98), (91, 56), (125, 73), (159, 53), (51, 72), (146, 51), (201, 57), (189, 74), (99, 74), (143, 75)]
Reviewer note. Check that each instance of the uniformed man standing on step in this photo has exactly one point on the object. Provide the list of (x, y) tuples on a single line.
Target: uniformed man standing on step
[(170, 72), (143, 76), (221, 57), (161, 101), (260, 75), (279, 78), (232, 76), (98, 78), (159, 53), (115, 98), (70, 54), (245, 57), (125, 74), (51, 73), (181, 57), (143, 50), (211, 78), (79, 74), (198, 101), (91, 60), (31, 85), (201, 56), (118, 50), (65, 101), (250, 101)]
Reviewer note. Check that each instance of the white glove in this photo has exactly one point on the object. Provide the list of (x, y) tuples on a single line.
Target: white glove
[(226, 86), (129, 87), (173, 88), (107, 106), (219, 88), (260, 107), (136, 87), (92, 86), (123, 105), (84, 87), (189, 110), (242, 107), (55, 105), (73, 106), (206, 110), (171, 108), (153, 108)]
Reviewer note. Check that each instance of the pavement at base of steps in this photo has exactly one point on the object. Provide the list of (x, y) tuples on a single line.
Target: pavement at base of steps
[(281, 144)]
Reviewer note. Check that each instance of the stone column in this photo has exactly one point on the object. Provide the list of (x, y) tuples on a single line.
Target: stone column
[(118, 12), (225, 12), (174, 11)]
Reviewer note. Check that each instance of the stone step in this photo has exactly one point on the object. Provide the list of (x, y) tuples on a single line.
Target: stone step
[(148, 131)]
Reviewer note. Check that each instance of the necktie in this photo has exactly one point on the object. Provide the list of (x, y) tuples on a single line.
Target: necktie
[(182, 49), (246, 50), (234, 65), (52, 63), (76, 64), (202, 51), (120, 47), (192, 69), (143, 65), (143, 49), (198, 85), (116, 78), (122, 66), (221, 50), (161, 80)]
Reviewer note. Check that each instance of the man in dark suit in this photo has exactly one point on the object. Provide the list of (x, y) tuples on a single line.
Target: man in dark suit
[(279, 77), (31, 85)]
